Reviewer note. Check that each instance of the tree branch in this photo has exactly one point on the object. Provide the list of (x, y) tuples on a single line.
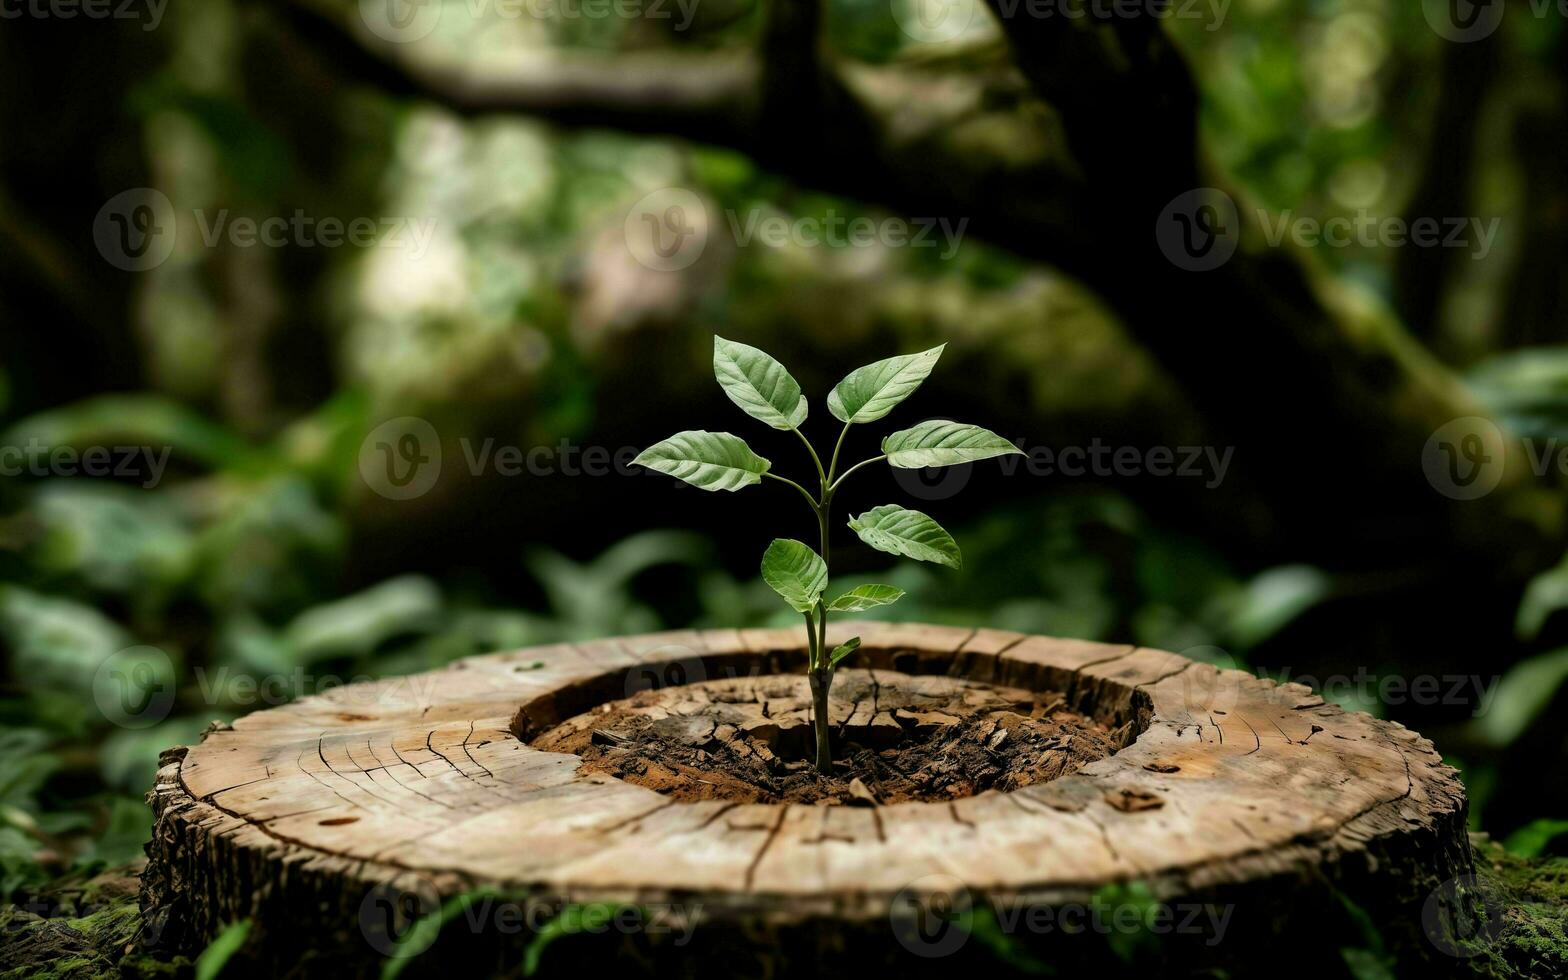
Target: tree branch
[(711, 97), (1271, 353)]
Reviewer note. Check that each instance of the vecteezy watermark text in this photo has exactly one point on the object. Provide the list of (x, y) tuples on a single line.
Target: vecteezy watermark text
[(402, 458), (308, 231), (1200, 230), (394, 917), (669, 229), (37, 458), (136, 230), (149, 12), (934, 916), (1370, 231)]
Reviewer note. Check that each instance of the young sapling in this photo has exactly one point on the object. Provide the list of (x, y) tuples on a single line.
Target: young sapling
[(763, 389)]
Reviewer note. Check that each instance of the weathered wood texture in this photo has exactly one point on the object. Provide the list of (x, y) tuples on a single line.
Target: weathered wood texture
[(1236, 786)]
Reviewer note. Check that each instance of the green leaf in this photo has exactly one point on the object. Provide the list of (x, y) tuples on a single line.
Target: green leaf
[(843, 650), (594, 917), (709, 460), (1515, 702), (218, 953), (795, 572), (942, 443), (864, 597), (900, 531), (1546, 594), (760, 385), (1531, 839), (868, 393)]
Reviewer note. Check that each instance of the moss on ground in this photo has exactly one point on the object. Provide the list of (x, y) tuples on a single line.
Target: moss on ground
[(87, 928), (1527, 924), (81, 928)]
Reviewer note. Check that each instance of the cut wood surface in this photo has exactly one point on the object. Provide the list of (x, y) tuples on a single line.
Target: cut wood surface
[(1232, 780)]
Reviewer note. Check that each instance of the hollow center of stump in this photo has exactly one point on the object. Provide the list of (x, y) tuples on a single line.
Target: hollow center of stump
[(896, 738)]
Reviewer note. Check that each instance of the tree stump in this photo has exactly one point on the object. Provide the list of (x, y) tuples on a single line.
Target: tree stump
[(336, 821)]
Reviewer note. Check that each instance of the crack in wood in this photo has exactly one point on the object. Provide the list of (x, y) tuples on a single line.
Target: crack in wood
[(767, 842)]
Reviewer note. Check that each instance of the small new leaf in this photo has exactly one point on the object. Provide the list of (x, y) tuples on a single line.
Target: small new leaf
[(868, 393), (843, 650), (864, 597), (710, 460), (795, 572), (759, 384), (942, 443), (900, 531)]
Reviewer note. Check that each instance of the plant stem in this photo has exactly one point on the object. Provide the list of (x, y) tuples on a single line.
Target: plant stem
[(822, 676), (803, 491), (815, 459), (820, 683), (819, 668), (833, 466), (864, 462)]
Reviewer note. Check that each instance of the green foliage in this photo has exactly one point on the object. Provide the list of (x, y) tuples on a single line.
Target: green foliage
[(1545, 594), (1526, 390), (222, 949), (57, 643), (863, 597), (708, 460), (574, 918), (941, 443), (1526, 689), (758, 384), (869, 393), (424, 931), (765, 390), (843, 650), (795, 572), (1533, 838), (901, 531), (1368, 958), (1140, 942)]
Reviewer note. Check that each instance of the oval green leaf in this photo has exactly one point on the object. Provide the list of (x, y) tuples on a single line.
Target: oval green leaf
[(843, 650), (943, 443), (758, 383), (710, 460), (868, 393), (795, 572), (222, 949), (900, 531), (864, 597)]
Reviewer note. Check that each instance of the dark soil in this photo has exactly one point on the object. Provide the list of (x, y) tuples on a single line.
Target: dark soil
[(896, 738)]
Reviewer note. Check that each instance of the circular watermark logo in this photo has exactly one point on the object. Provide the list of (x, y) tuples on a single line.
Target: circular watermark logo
[(1199, 230), (400, 21), (668, 666), (933, 482), (1463, 21), (134, 687), (135, 229), (933, 21), (932, 916), (1461, 917), (668, 229), (1464, 459), (398, 917), (401, 458)]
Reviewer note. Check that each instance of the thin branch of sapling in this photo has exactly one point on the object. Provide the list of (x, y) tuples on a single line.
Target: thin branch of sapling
[(764, 390)]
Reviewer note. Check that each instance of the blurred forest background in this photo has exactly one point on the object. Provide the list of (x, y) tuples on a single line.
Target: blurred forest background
[(263, 556)]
